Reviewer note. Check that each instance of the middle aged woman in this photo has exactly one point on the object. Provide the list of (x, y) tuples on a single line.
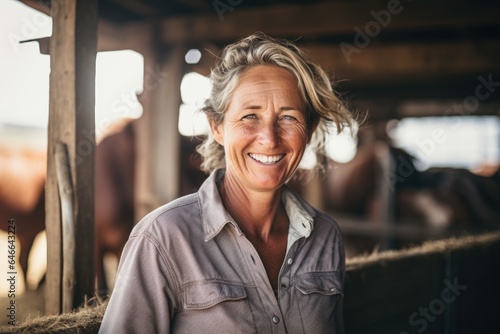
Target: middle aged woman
[(244, 254)]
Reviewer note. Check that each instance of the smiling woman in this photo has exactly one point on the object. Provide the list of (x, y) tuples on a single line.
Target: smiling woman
[(244, 254)]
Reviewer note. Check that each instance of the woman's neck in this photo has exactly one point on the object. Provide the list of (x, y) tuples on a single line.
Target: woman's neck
[(259, 214)]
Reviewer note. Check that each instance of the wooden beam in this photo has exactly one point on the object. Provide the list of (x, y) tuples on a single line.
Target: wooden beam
[(390, 63), (136, 6), (72, 122), (158, 137), (111, 37), (386, 109), (38, 5), (328, 18), (406, 62), (133, 36)]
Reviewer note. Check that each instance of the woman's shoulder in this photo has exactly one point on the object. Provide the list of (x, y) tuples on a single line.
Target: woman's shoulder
[(170, 216)]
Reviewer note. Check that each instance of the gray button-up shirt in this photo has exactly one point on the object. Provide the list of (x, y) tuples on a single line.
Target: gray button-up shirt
[(188, 268)]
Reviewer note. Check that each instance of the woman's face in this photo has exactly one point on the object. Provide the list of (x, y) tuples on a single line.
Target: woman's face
[(264, 132)]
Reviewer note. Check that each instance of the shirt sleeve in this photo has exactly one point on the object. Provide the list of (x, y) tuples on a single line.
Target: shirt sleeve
[(141, 301), (339, 308), (339, 315)]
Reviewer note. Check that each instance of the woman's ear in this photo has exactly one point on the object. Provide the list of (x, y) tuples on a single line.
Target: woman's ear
[(217, 131)]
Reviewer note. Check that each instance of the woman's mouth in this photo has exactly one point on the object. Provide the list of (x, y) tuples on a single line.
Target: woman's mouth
[(266, 159)]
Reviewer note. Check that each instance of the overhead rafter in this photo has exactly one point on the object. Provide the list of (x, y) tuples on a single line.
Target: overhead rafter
[(400, 62), (327, 18), (136, 6)]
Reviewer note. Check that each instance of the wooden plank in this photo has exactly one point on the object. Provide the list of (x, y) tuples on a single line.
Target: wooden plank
[(133, 36), (38, 5), (65, 186), (385, 294), (165, 130), (404, 62), (157, 136), (111, 37), (72, 121), (136, 6), (388, 63), (326, 19), (451, 283)]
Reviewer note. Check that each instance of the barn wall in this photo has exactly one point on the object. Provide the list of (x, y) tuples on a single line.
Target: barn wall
[(401, 292)]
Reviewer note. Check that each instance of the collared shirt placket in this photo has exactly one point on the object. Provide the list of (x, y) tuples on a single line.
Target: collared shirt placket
[(264, 289)]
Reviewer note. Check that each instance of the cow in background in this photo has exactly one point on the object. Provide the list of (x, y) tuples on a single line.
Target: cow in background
[(447, 198), (439, 199), (22, 196)]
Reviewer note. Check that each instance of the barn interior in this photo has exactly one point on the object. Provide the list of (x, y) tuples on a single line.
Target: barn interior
[(423, 165)]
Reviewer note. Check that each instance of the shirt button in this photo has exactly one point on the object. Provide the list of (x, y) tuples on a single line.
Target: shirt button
[(276, 319), (290, 261)]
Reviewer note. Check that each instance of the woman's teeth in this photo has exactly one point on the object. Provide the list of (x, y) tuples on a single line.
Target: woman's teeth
[(266, 159)]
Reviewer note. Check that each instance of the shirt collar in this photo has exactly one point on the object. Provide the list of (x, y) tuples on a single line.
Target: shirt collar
[(213, 213), (215, 217), (300, 215)]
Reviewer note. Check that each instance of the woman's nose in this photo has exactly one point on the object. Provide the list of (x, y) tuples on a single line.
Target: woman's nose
[(269, 135)]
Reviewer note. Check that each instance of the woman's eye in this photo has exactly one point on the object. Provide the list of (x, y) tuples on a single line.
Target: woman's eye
[(288, 118), (251, 116)]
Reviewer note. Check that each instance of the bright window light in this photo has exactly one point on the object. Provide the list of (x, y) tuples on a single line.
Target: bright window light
[(119, 78), (459, 142), (195, 89), (192, 122), (193, 56), (25, 72), (341, 147)]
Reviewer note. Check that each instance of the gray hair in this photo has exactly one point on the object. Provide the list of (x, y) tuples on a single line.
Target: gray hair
[(322, 103)]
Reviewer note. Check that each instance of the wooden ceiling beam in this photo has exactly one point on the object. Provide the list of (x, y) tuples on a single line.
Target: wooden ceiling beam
[(402, 62), (136, 6), (329, 18), (41, 6)]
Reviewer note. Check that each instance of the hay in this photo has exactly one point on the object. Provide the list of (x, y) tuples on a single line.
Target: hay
[(429, 247), (84, 321)]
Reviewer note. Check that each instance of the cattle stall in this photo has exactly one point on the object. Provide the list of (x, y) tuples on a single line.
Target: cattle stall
[(424, 60)]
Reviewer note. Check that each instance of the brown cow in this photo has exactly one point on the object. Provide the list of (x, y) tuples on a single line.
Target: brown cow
[(114, 189), (22, 196), (439, 198)]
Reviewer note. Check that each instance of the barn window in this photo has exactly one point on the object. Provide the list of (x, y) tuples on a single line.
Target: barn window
[(460, 142), (119, 78), (195, 88)]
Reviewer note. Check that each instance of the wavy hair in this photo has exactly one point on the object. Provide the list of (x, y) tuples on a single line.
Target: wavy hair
[(322, 103)]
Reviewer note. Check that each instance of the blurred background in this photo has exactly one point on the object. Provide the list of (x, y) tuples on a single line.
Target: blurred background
[(423, 165)]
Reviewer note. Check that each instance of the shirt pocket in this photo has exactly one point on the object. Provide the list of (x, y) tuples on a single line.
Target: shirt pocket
[(324, 283), (215, 307), (207, 294), (316, 298)]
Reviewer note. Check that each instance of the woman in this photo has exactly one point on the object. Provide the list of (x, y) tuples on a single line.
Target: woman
[(244, 254)]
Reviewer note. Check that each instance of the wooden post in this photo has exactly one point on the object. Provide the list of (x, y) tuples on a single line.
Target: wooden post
[(158, 137), (65, 186), (72, 122)]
